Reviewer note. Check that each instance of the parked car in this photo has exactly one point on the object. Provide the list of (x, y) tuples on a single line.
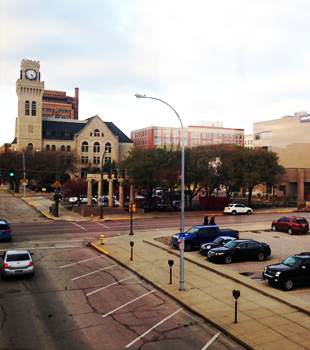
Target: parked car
[(5, 230), (83, 199), (237, 209), (218, 242), (291, 224), (240, 249), (36, 186), (294, 270), (198, 235), (16, 262), (167, 206)]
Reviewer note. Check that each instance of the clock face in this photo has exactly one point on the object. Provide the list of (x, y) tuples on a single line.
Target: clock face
[(31, 74)]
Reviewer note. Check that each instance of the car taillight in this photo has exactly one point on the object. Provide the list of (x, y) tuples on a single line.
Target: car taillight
[(5, 266), (9, 230), (31, 264), (238, 234)]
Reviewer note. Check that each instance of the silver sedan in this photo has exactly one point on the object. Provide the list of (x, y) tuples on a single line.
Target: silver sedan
[(16, 262)]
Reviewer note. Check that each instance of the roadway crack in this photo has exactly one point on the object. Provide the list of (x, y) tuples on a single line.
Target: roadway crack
[(3, 316)]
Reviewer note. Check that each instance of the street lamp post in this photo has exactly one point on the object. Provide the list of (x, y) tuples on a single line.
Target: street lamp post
[(182, 194), (24, 167)]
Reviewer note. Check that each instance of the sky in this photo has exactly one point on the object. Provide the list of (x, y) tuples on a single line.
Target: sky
[(238, 62)]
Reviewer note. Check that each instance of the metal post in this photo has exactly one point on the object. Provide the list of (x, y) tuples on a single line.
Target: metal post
[(131, 233), (182, 192)]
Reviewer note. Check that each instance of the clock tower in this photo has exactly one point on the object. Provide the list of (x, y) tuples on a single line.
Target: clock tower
[(29, 89)]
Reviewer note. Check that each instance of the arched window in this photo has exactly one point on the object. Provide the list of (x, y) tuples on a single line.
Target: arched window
[(107, 147), (96, 147), (33, 108), (84, 146), (63, 148), (27, 107), (30, 147), (68, 149), (96, 132), (53, 148), (48, 148)]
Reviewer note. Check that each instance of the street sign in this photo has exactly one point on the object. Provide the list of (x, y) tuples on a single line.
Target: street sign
[(24, 180), (181, 245), (57, 184)]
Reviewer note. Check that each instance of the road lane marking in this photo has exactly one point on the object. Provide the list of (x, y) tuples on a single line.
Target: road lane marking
[(132, 301), (211, 341), (79, 226), (110, 285), (79, 262), (98, 223), (90, 273), (159, 323)]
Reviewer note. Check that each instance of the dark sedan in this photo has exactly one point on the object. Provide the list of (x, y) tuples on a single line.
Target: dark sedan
[(240, 249), (218, 242)]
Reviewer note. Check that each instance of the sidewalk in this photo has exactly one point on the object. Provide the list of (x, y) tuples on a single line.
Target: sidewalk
[(267, 318)]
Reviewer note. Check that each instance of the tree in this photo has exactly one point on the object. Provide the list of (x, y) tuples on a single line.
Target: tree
[(76, 187), (260, 167)]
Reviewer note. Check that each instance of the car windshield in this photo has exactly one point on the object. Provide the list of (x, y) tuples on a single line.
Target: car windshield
[(17, 257), (231, 244), (299, 221), (218, 240), (292, 262), (193, 230)]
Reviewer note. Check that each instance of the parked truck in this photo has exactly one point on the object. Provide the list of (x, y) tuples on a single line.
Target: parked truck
[(198, 235)]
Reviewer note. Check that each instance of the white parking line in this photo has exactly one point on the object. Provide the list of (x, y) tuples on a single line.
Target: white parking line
[(105, 268), (132, 301), (79, 262), (110, 285), (159, 323), (211, 341)]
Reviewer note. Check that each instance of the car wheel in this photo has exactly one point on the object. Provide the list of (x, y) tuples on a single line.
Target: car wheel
[(249, 212), (228, 259), (260, 256), (288, 284), (274, 227), (290, 231), (234, 212), (188, 246)]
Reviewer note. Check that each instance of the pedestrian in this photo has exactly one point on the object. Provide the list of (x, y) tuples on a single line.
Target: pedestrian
[(212, 221), (206, 220)]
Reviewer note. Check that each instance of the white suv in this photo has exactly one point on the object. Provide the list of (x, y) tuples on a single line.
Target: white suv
[(237, 209)]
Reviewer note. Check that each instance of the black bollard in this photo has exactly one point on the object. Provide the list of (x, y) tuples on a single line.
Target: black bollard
[(236, 295), (170, 263), (131, 244)]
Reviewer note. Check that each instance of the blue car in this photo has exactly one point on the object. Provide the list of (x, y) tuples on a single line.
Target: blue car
[(5, 230)]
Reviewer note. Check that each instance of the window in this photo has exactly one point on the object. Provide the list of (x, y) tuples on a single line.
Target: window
[(107, 147), (48, 148), (53, 148), (175, 141), (225, 137), (166, 133), (157, 142), (175, 134), (166, 141), (84, 146), (96, 132), (27, 107), (193, 135), (33, 108), (204, 142), (208, 136), (30, 147), (84, 159), (156, 133), (62, 148), (230, 137), (204, 135), (68, 149), (63, 110), (208, 142), (96, 160), (96, 147), (219, 136)]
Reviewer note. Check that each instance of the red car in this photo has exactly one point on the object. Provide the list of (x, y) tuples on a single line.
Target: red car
[(291, 224)]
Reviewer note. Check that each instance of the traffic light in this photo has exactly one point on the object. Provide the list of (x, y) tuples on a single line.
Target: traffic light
[(12, 172), (114, 172), (124, 174)]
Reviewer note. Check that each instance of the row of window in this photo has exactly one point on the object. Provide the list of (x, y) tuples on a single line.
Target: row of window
[(51, 148), (158, 142), (33, 108), (96, 160), (197, 135), (96, 147), (140, 134)]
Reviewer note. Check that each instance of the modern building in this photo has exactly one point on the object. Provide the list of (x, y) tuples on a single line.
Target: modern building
[(49, 120), (203, 133), (248, 141), (289, 137)]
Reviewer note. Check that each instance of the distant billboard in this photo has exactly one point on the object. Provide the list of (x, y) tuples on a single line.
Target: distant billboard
[(305, 118)]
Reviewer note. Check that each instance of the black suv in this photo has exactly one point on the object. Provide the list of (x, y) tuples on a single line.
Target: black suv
[(295, 270)]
